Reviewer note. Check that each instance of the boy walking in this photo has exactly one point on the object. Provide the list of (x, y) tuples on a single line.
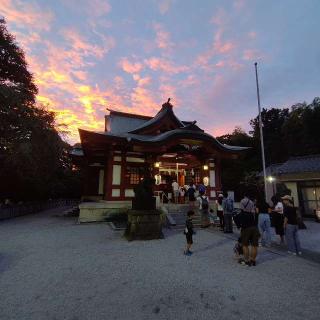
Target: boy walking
[(189, 232)]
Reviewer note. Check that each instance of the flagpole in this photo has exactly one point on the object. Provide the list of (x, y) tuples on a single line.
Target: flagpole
[(261, 134)]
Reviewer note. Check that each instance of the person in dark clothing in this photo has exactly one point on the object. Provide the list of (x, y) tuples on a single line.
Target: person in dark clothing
[(228, 207), (220, 211), (191, 195), (291, 226), (189, 232), (249, 232), (278, 218)]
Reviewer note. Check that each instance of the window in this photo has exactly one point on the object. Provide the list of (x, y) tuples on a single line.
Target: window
[(195, 178), (309, 196), (134, 175)]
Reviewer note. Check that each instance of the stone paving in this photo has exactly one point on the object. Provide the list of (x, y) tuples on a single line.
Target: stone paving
[(53, 268)]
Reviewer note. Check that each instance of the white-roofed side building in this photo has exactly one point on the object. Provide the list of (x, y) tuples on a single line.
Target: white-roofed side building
[(301, 175)]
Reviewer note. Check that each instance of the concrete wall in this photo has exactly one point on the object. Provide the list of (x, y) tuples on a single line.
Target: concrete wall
[(98, 211)]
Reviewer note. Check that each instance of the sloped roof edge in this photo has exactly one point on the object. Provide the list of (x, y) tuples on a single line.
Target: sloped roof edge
[(164, 137), (165, 111)]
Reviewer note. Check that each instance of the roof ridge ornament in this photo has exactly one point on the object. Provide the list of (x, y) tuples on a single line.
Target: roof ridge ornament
[(167, 104)]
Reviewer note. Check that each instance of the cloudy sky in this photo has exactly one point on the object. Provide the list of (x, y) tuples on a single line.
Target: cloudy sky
[(89, 55)]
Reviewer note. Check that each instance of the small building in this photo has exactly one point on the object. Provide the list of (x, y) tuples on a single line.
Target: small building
[(301, 175), (116, 160)]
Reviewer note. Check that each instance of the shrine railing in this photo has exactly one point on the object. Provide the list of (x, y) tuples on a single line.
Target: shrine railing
[(8, 211)]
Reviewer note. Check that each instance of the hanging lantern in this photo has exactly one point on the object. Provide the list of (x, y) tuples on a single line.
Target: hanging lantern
[(158, 179)]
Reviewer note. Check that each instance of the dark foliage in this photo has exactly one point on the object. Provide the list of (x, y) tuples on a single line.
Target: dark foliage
[(34, 161), (287, 133)]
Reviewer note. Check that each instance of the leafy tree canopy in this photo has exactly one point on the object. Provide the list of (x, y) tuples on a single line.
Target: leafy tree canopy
[(287, 133), (34, 161)]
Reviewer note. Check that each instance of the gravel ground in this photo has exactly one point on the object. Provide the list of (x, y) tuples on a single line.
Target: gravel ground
[(52, 268)]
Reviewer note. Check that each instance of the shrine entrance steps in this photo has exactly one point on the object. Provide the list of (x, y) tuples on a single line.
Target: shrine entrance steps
[(177, 215)]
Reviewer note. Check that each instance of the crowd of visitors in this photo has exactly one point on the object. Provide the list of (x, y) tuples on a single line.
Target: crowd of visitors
[(253, 217)]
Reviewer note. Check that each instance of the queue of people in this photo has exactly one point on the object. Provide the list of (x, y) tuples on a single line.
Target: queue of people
[(254, 220)]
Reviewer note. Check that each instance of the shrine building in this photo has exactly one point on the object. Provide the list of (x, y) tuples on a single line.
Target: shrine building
[(116, 160)]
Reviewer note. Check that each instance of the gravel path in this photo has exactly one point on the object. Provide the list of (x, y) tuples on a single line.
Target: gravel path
[(52, 268)]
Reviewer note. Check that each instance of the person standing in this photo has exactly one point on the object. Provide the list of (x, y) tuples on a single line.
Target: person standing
[(191, 195), (182, 194), (204, 209), (227, 213), (291, 226), (220, 211), (189, 232), (249, 232), (264, 223), (278, 218), (175, 189)]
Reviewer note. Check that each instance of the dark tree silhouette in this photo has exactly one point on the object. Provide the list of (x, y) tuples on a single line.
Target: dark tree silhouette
[(34, 161), (287, 133)]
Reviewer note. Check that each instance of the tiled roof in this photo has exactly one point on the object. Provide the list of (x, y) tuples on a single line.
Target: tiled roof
[(130, 137), (302, 164)]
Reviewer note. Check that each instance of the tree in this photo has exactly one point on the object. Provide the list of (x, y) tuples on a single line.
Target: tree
[(287, 133), (274, 143), (17, 92), (34, 161), (235, 173), (301, 130)]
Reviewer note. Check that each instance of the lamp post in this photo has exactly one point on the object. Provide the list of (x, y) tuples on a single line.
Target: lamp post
[(261, 133)]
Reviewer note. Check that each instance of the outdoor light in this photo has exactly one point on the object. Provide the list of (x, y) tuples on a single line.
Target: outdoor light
[(270, 179), (205, 167), (157, 164)]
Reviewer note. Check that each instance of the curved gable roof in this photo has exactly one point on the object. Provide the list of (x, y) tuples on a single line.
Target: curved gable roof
[(164, 120)]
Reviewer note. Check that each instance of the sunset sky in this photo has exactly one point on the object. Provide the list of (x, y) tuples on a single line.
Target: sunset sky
[(87, 55)]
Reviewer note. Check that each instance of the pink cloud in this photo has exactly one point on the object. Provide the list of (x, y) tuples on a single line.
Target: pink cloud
[(239, 4), (92, 8), (169, 91), (24, 13), (252, 35), (251, 54), (142, 81), (219, 46), (130, 67), (164, 5), (191, 80), (220, 64), (143, 101), (81, 75), (164, 65), (162, 37), (219, 18), (79, 43)]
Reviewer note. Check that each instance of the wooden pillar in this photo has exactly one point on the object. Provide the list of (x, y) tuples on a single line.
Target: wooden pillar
[(218, 174), (108, 176), (123, 174)]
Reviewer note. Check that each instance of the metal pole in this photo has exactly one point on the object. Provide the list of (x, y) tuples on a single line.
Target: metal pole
[(261, 134)]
